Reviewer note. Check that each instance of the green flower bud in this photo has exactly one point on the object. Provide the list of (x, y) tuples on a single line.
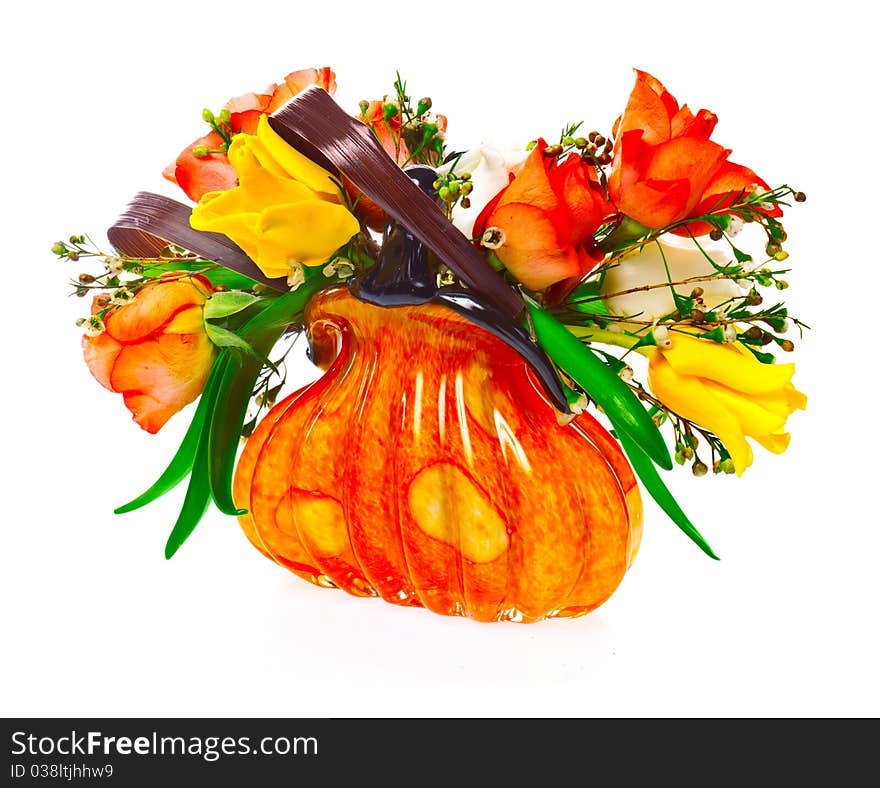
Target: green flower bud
[(207, 115)]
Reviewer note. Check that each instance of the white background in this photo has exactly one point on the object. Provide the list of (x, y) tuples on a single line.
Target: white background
[(96, 622)]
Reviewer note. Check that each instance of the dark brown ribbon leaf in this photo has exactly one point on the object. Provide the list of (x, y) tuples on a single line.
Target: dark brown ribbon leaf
[(314, 124), (151, 222)]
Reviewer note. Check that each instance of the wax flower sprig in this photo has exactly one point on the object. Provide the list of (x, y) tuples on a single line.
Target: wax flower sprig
[(608, 245), (412, 135)]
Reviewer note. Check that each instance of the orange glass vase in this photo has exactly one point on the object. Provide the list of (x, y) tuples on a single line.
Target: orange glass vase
[(427, 466)]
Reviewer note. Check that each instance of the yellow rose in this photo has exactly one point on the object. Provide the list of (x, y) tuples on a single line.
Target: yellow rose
[(285, 211), (725, 389)]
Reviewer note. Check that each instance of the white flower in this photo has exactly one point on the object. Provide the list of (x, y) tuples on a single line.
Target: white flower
[(338, 267), (734, 226), (297, 275), (661, 337), (490, 170), (94, 325), (113, 264), (493, 238), (684, 260), (121, 296)]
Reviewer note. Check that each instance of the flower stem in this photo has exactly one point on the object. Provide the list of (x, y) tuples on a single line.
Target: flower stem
[(618, 338)]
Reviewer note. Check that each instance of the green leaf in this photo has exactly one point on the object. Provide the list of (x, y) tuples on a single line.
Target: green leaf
[(237, 384), (623, 235), (601, 383), (764, 358), (223, 337), (741, 257), (587, 297), (196, 501), (649, 477), (228, 303), (182, 462)]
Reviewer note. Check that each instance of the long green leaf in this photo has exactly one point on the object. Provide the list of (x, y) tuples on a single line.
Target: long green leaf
[(236, 386), (182, 462), (196, 501), (649, 477), (603, 385)]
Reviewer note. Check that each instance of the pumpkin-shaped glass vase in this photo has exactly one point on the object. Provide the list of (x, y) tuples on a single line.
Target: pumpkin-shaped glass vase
[(428, 467)]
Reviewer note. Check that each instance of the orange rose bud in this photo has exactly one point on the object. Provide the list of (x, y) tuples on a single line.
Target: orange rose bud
[(547, 217), (198, 175), (665, 167), (154, 350), (389, 133)]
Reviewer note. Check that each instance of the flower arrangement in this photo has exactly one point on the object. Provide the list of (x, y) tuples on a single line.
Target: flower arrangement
[(472, 310)]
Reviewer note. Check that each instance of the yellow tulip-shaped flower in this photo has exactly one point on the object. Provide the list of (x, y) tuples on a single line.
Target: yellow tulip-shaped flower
[(286, 210), (725, 389)]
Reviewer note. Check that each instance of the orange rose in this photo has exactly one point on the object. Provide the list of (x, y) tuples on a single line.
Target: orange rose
[(154, 349), (665, 167), (546, 220), (197, 176)]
